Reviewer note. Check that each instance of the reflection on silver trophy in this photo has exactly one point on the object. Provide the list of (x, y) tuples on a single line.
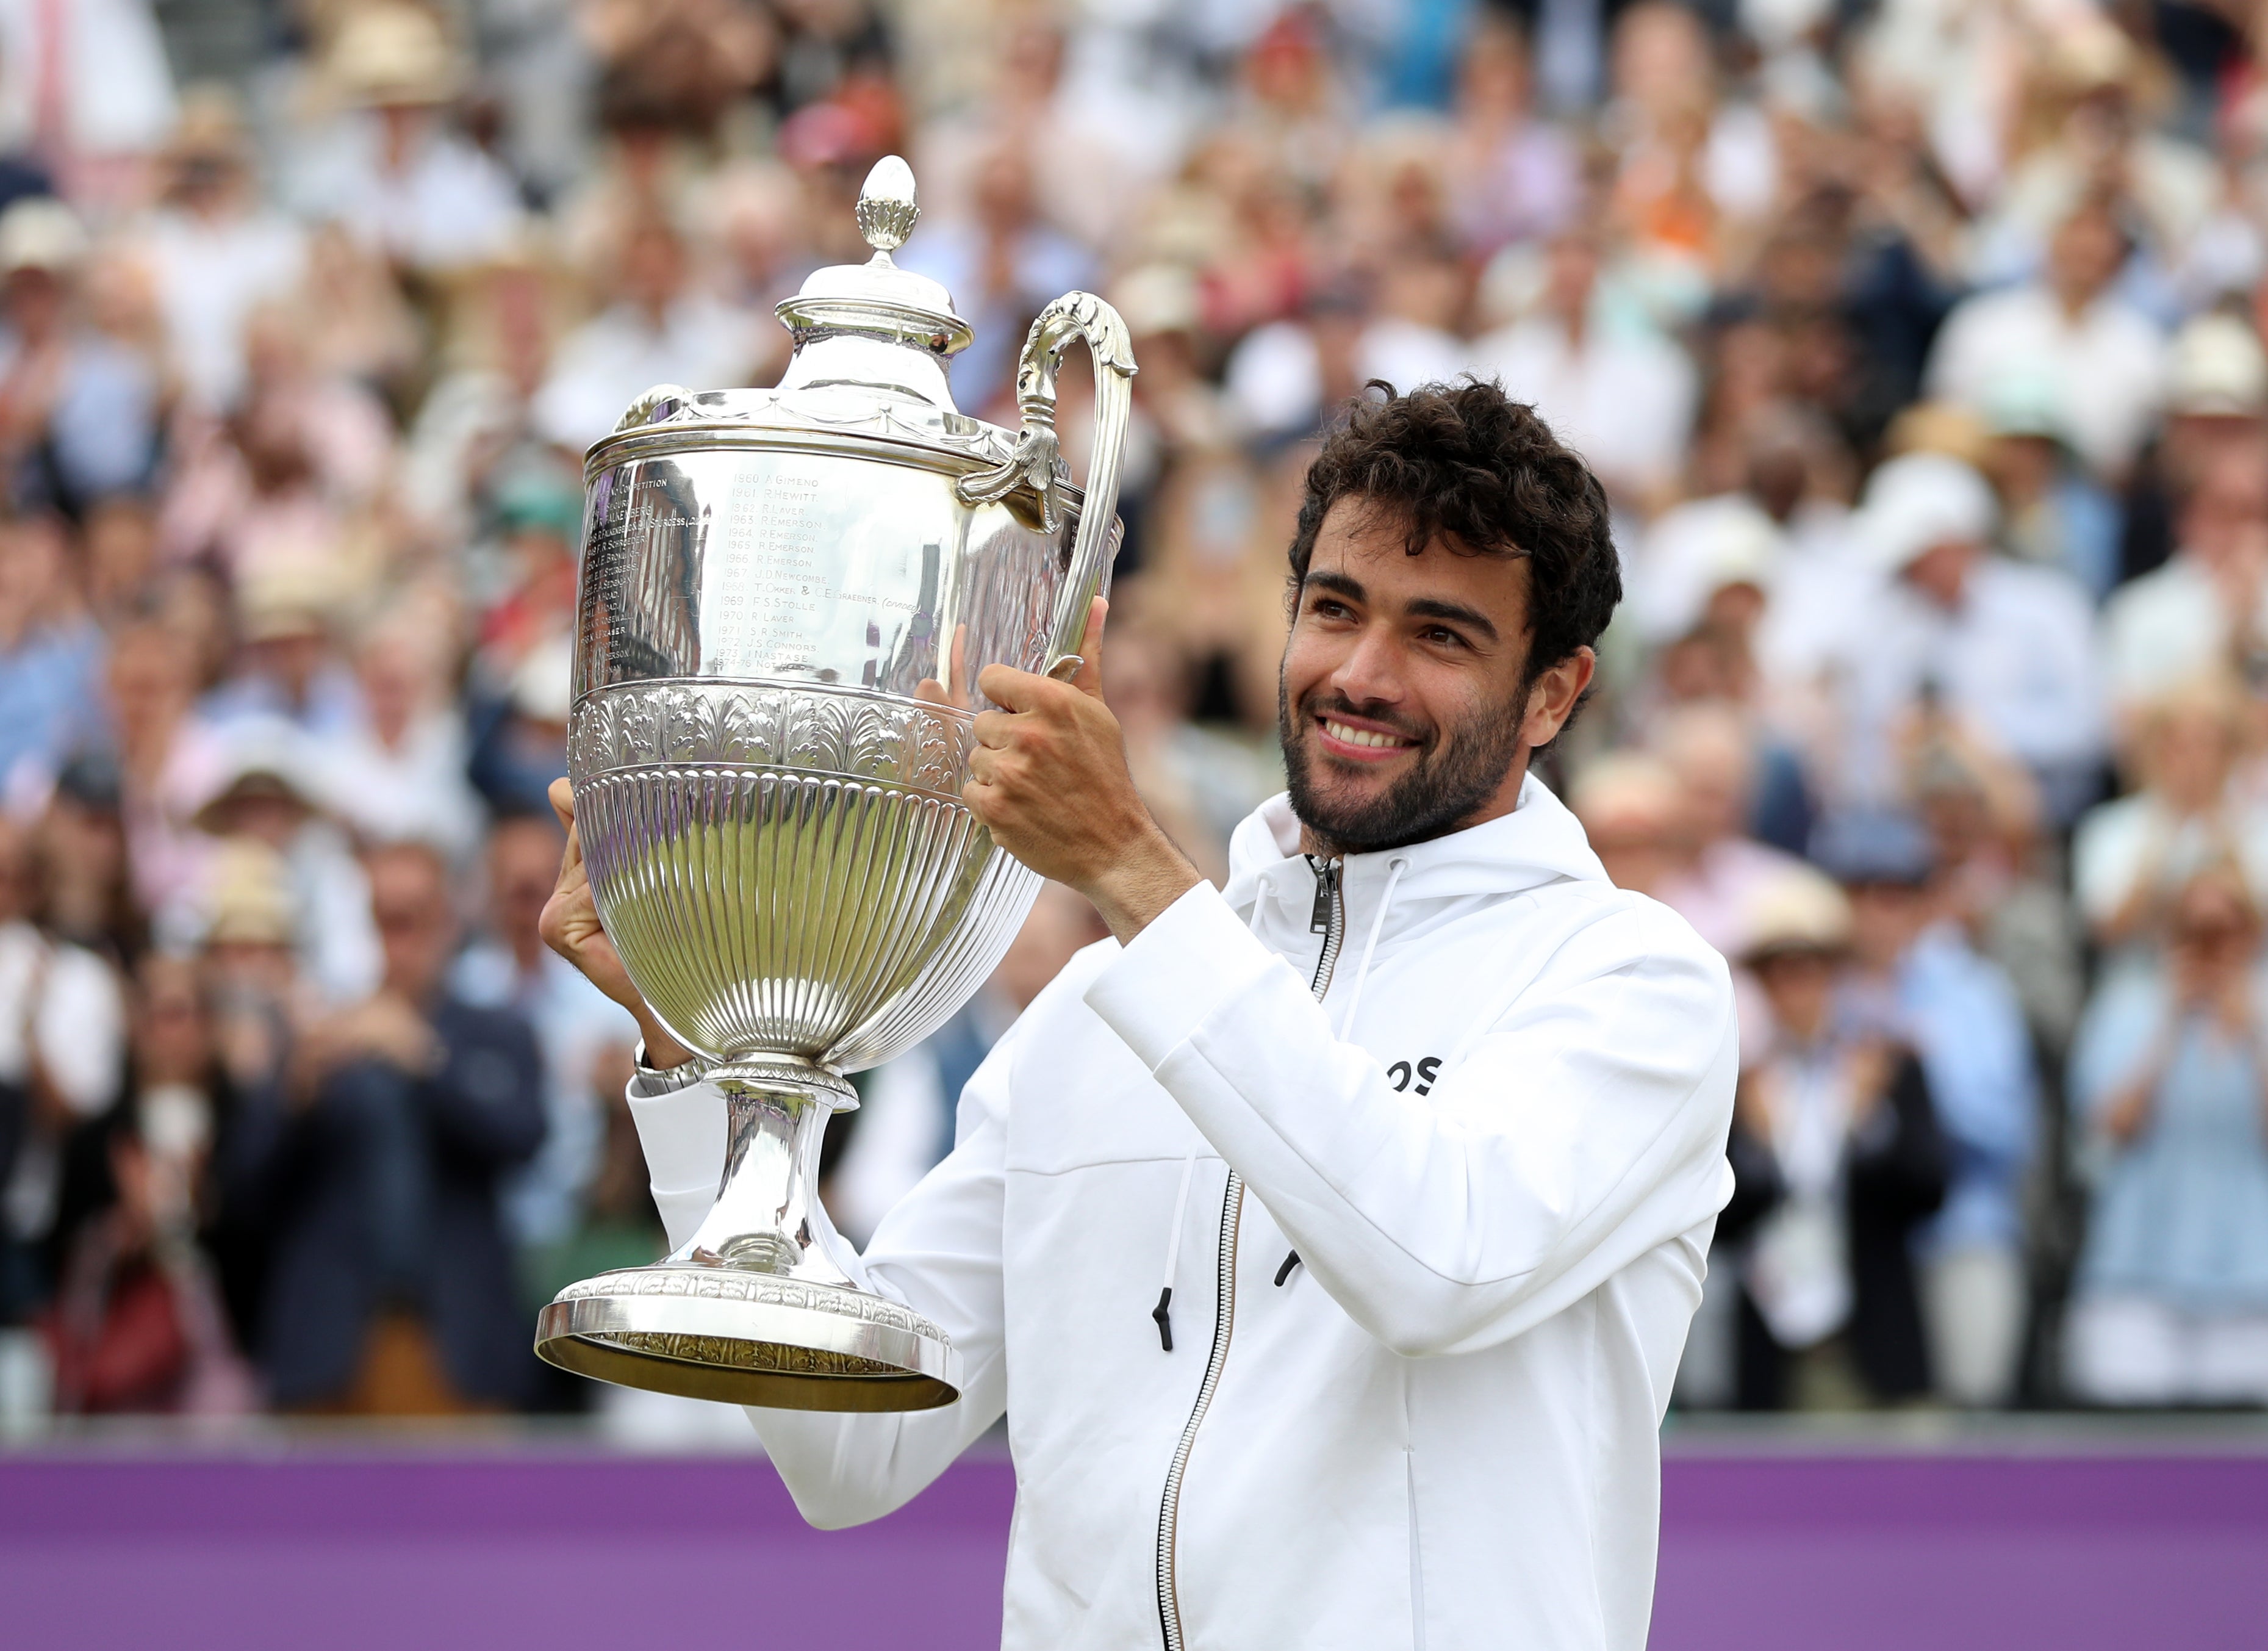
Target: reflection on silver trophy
[(786, 598)]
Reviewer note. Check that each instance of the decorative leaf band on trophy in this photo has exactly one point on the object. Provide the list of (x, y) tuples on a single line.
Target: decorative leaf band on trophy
[(843, 731)]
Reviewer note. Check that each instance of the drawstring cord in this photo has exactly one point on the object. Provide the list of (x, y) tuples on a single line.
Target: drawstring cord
[(1164, 1311), (1395, 868)]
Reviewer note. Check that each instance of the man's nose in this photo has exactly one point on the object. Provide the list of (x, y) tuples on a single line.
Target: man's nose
[(1372, 671)]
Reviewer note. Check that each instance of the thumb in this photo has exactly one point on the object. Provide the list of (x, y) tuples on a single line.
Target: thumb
[(1088, 679)]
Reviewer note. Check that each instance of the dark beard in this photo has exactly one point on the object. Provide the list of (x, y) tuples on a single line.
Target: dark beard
[(1456, 771)]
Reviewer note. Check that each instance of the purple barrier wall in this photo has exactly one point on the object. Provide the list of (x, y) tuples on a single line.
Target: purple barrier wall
[(1759, 1553)]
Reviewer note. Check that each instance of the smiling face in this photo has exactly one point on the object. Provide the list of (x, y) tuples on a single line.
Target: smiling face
[(1405, 703)]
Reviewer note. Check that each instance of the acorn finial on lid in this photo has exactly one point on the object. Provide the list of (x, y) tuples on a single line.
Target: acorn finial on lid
[(887, 212)]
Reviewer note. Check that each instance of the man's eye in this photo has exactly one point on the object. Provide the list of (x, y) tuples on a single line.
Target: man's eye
[(1444, 637)]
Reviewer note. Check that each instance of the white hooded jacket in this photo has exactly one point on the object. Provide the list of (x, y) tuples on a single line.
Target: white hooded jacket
[(1497, 1148)]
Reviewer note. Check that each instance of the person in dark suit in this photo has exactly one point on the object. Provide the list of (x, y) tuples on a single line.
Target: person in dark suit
[(1837, 1157), (373, 1161)]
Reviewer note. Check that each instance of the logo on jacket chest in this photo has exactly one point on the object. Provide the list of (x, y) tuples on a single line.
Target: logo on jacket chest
[(1401, 1073)]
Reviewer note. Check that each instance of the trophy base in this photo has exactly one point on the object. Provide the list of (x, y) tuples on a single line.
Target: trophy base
[(743, 1338)]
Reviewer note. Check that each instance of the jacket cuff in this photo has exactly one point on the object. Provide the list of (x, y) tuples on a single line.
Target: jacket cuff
[(1195, 956), (681, 1132)]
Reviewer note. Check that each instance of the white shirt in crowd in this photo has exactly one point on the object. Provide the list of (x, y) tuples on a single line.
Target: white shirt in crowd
[(2163, 629), (209, 275), (2016, 658), (620, 354), (117, 88), (2106, 370), (1622, 398), (451, 206), (64, 1003), (1274, 380)]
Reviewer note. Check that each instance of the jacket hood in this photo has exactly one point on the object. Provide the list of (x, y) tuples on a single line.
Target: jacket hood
[(1539, 842)]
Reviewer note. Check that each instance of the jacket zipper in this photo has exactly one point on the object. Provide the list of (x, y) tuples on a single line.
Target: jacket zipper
[(1330, 921)]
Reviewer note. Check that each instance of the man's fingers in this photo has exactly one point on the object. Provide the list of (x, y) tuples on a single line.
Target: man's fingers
[(1089, 679), (991, 728), (562, 797), (1005, 685)]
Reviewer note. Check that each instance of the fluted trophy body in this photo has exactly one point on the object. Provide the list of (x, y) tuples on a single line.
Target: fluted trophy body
[(786, 598)]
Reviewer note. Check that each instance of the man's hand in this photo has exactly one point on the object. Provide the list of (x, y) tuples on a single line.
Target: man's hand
[(1049, 776), (569, 926)]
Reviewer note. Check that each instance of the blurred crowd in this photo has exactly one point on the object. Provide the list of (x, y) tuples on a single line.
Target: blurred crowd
[(1917, 343)]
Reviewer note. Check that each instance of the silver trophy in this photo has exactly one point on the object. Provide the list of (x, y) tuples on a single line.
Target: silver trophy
[(786, 598)]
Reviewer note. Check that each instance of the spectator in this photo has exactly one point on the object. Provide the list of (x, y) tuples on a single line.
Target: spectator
[(1710, 750), (1834, 1127), (1914, 980), (400, 773), (2130, 858), (51, 655), (87, 898), (2007, 649), (1528, 174), (262, 788), (2207, 607), (78, 412), (2171, 1306), (583, 1036), (108, 96), (2216, 400), (1631, 807), (658, 331), (376, 1162), (215, 250), (1283, 377), (392, 170), (62, 1031), (2106, 359), (139, 1322), (1622, 395)]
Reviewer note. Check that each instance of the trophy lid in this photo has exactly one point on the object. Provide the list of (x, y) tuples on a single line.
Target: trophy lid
[(872, 342), (876, 300)]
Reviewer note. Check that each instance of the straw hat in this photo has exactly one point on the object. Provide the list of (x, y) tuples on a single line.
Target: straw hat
[(1796, 911), (2219, 370), (395, 56), (299, 597), (1157, 298), (40, 234)]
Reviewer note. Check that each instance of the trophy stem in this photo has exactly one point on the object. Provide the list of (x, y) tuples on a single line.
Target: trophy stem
[(758, 1306), (766, 1216)]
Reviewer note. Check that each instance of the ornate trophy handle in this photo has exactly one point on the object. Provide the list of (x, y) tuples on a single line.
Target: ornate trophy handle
[(1034, 463)]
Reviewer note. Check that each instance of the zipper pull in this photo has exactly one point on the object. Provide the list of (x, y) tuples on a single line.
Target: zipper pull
[(1327, 889)]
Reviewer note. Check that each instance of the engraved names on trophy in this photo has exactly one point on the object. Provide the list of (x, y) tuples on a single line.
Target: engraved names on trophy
[(765, 586)]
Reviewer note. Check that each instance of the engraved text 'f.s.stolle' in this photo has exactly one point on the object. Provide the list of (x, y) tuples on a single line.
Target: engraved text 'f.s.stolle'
[(786, 597)]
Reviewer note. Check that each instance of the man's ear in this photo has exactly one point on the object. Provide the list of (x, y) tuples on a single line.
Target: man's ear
[(1552, 698)]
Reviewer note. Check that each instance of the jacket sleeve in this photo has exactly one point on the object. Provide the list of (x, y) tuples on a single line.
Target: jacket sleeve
[(938, 1252), (1582, 1129)]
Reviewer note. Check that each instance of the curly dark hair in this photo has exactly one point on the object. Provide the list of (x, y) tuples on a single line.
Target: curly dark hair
[(1465, 464)]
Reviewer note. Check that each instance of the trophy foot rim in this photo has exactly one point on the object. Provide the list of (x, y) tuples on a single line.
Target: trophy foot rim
[(750, 1338)]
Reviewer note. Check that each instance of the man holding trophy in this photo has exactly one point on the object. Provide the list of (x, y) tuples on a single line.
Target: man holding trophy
[(1329, 1239)]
